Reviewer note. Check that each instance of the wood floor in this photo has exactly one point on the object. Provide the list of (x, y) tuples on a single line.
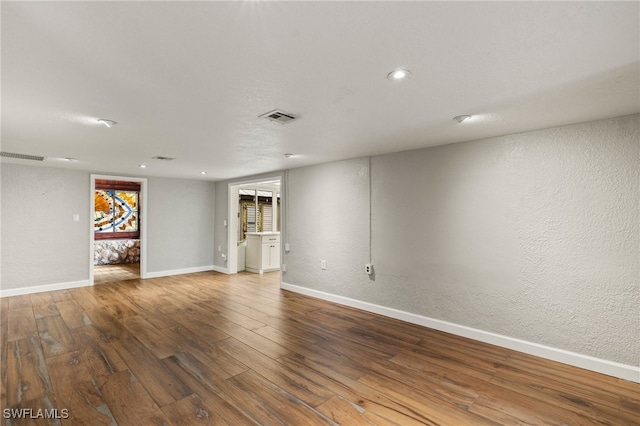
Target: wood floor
[(118, 272), (207, 348)]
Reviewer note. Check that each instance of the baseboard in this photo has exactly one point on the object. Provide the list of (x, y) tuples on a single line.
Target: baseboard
[(220, 269), (170, 272), (42, 288), (611, 368)]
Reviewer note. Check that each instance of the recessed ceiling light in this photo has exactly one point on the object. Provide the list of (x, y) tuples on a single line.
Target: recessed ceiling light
[(106, 122), (461, 118), (70, 159), (143, 166), (398, 74), (288, 155), (203, 173)]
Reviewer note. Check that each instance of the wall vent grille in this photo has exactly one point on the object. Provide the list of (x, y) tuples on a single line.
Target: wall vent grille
[(279, 116), (21, 156)]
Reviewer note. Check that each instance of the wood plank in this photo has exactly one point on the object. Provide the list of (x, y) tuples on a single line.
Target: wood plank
[(21, 324), (75, 389), (367, 399), (54, 336), (231, 402), (100, 358), (275, 372), (27, 373), (129, 402), (61, 295), (156, 341), (73, 314), (41, 299), (41, 311), (84, 297), (192, 410), (344, 412), (272, 398), (161, 385), (19, 302)]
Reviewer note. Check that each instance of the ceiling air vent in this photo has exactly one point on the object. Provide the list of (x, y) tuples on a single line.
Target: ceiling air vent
[(279, 116), (160, 157), (21, 156)]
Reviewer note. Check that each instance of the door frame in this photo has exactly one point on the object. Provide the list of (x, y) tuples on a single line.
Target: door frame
[(232, 218), (142, 223)]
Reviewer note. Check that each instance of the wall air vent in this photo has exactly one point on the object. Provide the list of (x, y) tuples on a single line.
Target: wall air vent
[(279, 116), (160, 157), (21, 156)]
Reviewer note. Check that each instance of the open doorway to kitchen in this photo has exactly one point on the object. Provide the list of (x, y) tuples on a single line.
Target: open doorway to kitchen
[(254, 226), (118, 233)]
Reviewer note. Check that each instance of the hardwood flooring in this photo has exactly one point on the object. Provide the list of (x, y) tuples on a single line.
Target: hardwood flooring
[(207, 348), (118, 272)]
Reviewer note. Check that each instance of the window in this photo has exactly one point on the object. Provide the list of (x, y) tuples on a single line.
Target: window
[(116, 213), (247, 212)]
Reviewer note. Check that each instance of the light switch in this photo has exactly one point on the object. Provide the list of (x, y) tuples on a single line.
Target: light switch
[(225, 223), (76, 217)]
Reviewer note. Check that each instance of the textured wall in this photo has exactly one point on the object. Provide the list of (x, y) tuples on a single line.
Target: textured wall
[(533, 236), (41, 243), (329, 220), (180, 224)]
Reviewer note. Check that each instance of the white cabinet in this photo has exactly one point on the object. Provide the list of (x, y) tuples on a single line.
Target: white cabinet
[(263, 251)]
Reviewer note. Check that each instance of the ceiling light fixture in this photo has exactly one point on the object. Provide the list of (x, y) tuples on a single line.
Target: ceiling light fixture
[(398, 74), (143, 166), (106, 122), (288, 155), (203, 173), (461, 118), (70, 159)]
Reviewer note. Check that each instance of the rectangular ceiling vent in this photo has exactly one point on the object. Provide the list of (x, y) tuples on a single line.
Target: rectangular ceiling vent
[(21, 156), (160, 157), (279, 116)]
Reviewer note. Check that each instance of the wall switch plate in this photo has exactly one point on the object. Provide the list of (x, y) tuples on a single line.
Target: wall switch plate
[(368, 268), (76, 217), (219, 248), (323, 264), (225, 223), (287, 247), (283, 268), (224, 256)]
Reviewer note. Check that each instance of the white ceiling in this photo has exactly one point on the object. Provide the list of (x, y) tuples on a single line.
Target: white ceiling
[(189, 79)]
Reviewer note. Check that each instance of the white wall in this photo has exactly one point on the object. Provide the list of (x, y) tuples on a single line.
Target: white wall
[(180, 224), (43, 246), (41, 243), (534, 236)]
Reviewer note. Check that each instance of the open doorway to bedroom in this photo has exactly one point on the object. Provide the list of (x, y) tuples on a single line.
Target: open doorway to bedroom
[(117, 235), (254, 226)]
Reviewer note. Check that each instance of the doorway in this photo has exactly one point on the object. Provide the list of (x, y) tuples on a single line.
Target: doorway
[(118, 234), (255, 218)]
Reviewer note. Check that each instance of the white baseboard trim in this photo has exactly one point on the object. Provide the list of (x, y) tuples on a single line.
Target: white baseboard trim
[(221, 269), (170, 272), (42, 288), (611, 368)]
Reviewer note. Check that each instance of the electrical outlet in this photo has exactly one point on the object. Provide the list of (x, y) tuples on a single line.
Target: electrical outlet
[(323, 264), (368, 268), (224, 256), (283, 268)]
